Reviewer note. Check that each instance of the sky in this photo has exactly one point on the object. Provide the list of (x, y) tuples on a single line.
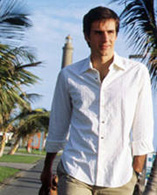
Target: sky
[(52, 21)]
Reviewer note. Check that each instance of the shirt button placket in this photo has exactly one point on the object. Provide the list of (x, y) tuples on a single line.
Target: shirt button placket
[(102, 119), (102, 129), (101, 135)]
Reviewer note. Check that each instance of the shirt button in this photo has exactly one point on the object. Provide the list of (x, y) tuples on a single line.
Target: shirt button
[(103, 121), (102, 137)]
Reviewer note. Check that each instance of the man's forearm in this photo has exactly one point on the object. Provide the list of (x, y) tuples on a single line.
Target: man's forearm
[(49, 160), (138, 163), (46, 175)]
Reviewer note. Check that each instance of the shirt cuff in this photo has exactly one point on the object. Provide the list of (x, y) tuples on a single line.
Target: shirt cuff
[(52, 147), (142, 147)]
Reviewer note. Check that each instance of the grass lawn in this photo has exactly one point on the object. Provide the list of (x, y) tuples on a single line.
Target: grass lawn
[(6, 172), (19, 158), (38, 152)]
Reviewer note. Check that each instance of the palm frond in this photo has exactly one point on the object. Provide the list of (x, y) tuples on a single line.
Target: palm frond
[(32, 121), (13, 75), (138, 20), (14, 19), (31, 97)]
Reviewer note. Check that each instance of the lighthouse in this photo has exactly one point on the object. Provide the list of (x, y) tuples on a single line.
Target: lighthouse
[(67, 52)]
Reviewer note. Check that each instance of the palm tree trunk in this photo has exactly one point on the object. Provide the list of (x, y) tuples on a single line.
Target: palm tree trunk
[(14, 147), (2, 145), (151, 187)]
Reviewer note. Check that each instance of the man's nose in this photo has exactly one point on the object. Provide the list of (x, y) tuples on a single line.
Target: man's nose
[(105, 37)]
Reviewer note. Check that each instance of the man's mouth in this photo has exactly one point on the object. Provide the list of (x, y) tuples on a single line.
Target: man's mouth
[(104, 46)]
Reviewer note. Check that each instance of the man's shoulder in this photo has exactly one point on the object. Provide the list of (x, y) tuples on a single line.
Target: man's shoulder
[(76, 67), (132, 64)]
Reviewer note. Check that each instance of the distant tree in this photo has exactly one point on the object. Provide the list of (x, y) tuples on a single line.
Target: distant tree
[(29, 123)]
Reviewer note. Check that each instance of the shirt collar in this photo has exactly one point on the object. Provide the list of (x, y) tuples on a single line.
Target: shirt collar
[(117, 63)]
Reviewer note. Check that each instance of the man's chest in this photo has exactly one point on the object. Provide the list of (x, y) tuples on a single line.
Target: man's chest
[(88, 90)]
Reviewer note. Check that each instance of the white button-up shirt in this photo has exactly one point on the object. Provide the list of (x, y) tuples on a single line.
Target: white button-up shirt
[(107, 122)]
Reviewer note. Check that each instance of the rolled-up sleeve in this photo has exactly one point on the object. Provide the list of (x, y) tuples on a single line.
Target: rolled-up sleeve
[(143, 126), (60, 116)]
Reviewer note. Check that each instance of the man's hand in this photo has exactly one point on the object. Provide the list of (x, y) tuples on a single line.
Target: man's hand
[(50, 186), (54, 182), (138, 163), (46, 179)]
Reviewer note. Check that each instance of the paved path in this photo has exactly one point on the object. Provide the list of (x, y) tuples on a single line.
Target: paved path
[(27, 182), (21, 166)]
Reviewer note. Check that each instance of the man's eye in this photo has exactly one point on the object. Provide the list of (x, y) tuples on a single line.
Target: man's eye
[(98, 32), (110, 32)]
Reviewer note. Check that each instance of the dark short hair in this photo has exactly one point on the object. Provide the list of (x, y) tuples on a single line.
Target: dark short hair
[(99, 13)]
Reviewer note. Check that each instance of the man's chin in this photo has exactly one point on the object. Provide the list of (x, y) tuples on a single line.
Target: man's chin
[(107, 52)]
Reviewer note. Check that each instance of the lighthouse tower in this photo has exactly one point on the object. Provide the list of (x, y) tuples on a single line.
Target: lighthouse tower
[(67, 52)]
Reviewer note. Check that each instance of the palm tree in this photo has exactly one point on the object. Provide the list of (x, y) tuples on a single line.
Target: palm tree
[(14, 61), (14, 75), (139, 23), (29, 123)]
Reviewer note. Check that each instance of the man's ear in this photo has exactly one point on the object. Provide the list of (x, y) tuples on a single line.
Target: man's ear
[(86, 37)]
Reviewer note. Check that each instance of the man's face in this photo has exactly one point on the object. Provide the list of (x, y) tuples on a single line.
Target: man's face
[(102, 37)]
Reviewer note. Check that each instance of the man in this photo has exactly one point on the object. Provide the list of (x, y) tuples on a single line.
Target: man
[(104, 105)]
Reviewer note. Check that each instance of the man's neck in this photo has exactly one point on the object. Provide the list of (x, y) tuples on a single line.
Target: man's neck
[(102, 64), (104, 61)]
